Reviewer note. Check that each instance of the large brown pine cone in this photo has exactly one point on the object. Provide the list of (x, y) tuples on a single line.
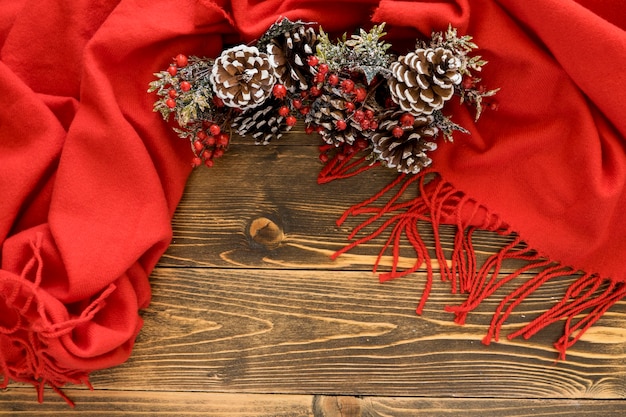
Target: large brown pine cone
[(289, 52), (408, 152), (422, 81), (243, 77)]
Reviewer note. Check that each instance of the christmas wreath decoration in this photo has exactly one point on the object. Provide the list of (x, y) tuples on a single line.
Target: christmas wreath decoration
[(357, 94)]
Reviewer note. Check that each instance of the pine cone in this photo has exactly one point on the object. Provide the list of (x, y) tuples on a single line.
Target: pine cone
[(263, 121), (423, 80), (289, 52), (243, 77), (405, 145), (337, 127)]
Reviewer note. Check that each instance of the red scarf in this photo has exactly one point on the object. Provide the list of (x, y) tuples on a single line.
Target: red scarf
[(90, 176)]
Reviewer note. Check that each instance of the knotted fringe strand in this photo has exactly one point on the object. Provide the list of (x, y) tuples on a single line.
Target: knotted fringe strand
[(32, 331), (438, 202), (344, 162)]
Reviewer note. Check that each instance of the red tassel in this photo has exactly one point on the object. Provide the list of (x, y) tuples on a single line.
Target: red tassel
[(438, 203), (343, 162)]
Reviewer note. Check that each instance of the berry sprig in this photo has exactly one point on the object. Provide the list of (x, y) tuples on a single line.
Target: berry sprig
[(185, 95)]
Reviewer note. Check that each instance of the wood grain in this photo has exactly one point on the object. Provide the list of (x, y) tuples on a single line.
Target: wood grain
[(304, 332), (212, 223), (113, 403)]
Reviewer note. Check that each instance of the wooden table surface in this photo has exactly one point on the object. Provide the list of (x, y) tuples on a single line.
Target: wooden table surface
[(250, 317)]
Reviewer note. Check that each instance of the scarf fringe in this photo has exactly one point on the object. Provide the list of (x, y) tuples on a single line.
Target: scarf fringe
[(343, 162), (32, 332), (438, 202)]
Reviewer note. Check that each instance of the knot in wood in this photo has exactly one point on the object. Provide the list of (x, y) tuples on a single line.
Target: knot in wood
[(265, 232)]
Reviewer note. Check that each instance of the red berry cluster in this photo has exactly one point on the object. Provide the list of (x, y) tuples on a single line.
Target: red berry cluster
[(180, 61), (209, 143), (207, 138)]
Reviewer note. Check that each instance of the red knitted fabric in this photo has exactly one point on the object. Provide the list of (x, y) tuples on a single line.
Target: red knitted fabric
[(90, 176)]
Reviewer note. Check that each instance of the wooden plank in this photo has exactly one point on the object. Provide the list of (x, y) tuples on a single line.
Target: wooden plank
[(111, 403), (467, 407), (278, 183), (303, 332)]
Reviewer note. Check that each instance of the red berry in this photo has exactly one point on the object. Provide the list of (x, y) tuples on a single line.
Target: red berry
[(467, 83), (319, 77), (172, 70), (365, 124), (290, 120), (369, 114), (207, 154), (305, 110), (279, 91), (315, 92), (181, 60), (347, 86), (350, 106), (218, 153), (309, 129), (341, 124), (323, 157), (373, 125), (171, 103), (198, 146), (323, 68), (284, 111), (407, 120), (201, 135), (297, 103), (222, 139), (215, 130), (208, 163), (172, 93), (397, 131), (196, 162), (333, 79), (312, 60), (361, 94), (359, 115), (185, 86), (210, 141)]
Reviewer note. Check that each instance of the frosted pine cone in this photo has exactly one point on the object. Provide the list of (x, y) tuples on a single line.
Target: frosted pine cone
[(403, 141), (264, 122), (422, 81), (329, 112), (243, 77), (289, 52)]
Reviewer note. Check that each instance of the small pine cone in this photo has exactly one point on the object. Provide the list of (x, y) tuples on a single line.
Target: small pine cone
[(243, 77), (289, 52), (422, 81), (263, 122), (404, 147), (337, 127)]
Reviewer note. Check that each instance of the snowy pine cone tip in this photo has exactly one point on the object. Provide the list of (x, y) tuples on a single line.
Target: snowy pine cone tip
[(422, 81), (243, 77)]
